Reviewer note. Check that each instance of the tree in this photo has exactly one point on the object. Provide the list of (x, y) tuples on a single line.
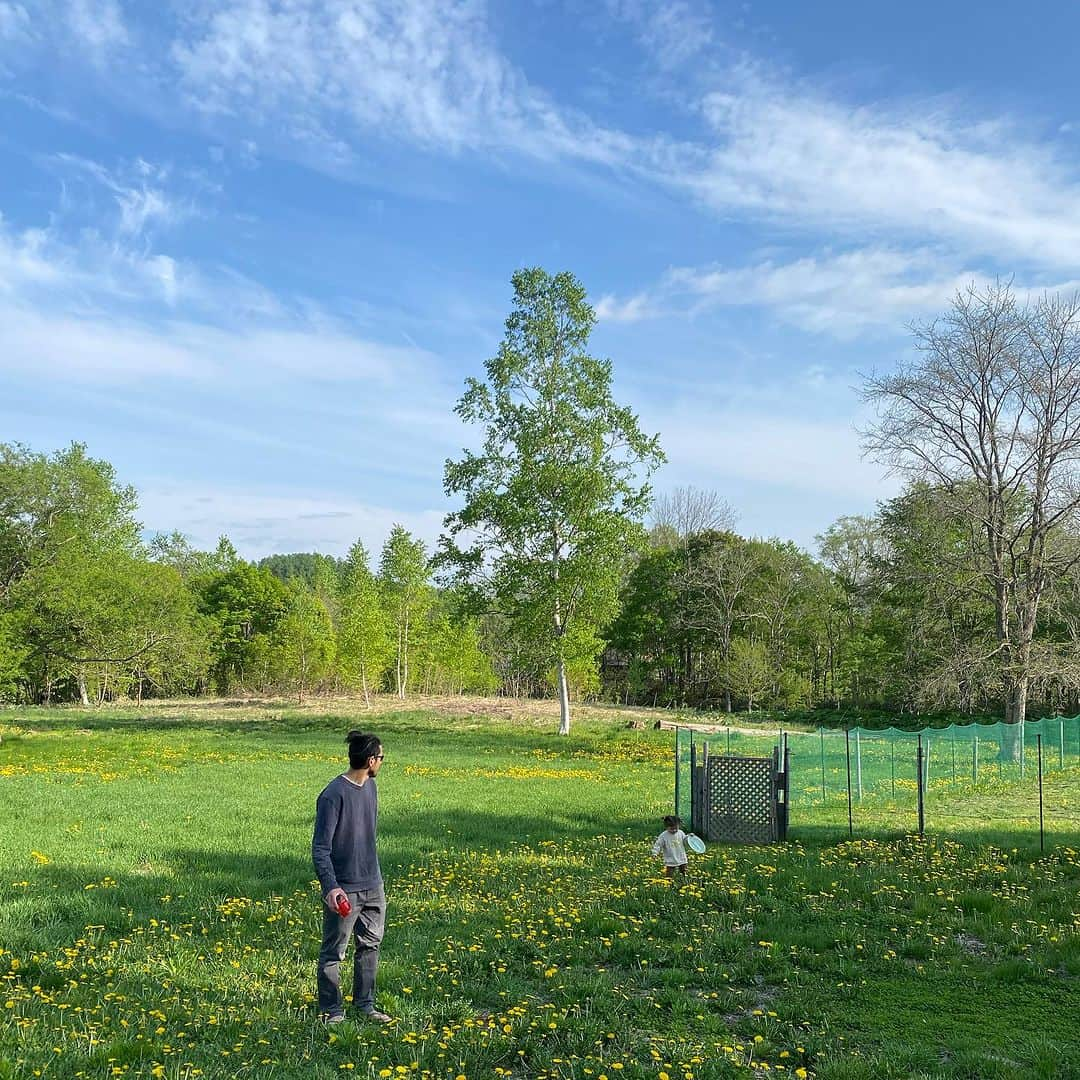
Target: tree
[(650, 629), (853, 549), (554, 500), (404, 574), (746, 669), (245, 604), (302, 644), (688, 510), (990, 412), (933, 609), (365, 639), (720, 575)]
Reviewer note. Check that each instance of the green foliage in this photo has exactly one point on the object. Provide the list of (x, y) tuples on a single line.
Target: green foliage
[(308, 567), (302, 644), (13, 655), (404, 575), (245, 604), (366, 642), (554, 500)]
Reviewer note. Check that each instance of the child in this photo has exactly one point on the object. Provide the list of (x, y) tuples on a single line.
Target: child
[(670, 845)]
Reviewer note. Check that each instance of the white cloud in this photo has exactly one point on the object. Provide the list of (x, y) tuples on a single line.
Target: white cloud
[(94, 29), (736, 443), (85, 311), (262, 524), (105, 347), (138, 191), (56, 345), (672, 31), (635, 308), (98, 25), (425, 71), (842, 294), (790, 154), (318, 79), (38, 264)]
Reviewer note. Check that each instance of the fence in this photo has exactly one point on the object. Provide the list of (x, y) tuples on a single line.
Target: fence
[(963, 767)]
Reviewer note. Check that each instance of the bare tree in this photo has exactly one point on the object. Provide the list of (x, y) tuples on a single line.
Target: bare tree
[(990, 412), (718, 580), (689, 510)]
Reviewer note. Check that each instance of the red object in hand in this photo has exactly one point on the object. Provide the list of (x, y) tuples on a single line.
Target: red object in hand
[(343, 906)]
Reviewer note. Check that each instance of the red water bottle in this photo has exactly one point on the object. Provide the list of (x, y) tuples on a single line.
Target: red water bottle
[(343, 906)]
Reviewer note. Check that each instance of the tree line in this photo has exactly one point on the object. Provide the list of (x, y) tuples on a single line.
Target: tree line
[(92, 612), (961, 592)]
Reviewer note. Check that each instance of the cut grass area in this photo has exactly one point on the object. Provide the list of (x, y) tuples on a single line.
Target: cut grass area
[(158, 916)]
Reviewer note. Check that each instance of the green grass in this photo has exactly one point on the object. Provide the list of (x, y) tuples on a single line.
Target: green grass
[(158, 915)]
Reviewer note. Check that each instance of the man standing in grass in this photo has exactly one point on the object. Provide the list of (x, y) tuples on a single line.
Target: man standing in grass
[(343, 850)]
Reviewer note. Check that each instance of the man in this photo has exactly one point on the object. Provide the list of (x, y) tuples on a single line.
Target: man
[(343, 850)]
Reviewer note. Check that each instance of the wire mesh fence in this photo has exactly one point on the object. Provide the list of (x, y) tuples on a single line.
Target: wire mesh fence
[(872, 779)]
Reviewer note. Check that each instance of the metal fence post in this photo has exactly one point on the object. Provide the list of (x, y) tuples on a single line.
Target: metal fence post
[(678, 769), (919, 782), (847, 749), (1042, 838), (695, 798), (858, 762), (821, 732), (892, 765), (975, 761), (1061, 750)]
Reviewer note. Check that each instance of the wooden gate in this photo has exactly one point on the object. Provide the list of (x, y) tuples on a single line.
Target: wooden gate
[(738, 800)]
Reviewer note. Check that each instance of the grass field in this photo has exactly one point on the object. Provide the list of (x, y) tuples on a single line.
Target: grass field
[(158, 915)]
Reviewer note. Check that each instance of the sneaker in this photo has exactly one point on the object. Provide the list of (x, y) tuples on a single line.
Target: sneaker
[(375, 1016), (333, 1018)]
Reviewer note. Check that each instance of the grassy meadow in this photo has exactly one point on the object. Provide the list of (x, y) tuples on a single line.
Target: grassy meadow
[(159, 915)]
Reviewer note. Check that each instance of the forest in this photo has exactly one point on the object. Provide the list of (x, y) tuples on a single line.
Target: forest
[(561, 570), (889, 611)]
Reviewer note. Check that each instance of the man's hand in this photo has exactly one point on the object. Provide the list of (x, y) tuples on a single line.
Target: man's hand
[(333, 898)]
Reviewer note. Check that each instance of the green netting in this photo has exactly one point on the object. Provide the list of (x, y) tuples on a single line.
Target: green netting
[(883, 762)]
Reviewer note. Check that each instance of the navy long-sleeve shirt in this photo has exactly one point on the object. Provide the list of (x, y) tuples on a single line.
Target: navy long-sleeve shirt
[(343, 846)]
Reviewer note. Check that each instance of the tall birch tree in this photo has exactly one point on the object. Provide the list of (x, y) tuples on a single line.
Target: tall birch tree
[(554, 500), (404, 574)]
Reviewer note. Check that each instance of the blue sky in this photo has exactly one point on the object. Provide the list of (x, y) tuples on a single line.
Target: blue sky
[(250, 250)]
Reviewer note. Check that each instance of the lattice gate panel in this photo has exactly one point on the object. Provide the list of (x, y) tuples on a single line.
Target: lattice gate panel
[(740, 800)]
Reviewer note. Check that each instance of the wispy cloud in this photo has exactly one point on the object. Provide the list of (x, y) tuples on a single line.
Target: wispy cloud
[(101, 311), (139, 190), (673, 32), (322, 79), (790, 154), (263, 523), (633, 309), (335, 71), (841, 294), (15, 23)]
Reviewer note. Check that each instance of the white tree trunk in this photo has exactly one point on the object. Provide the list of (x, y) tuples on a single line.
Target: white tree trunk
[(564, 701)]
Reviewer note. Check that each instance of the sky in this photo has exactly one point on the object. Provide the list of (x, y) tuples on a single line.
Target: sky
[(250, 250)]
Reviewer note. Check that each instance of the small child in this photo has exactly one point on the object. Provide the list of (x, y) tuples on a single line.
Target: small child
[(671, 846)]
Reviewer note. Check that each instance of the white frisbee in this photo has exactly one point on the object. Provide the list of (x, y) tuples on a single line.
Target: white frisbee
[(695, 844)]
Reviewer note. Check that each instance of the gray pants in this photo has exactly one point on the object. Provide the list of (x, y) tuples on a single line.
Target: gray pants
[(365, 923)]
